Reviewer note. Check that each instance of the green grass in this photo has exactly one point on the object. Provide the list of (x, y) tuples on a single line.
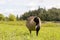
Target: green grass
[(18, 31)]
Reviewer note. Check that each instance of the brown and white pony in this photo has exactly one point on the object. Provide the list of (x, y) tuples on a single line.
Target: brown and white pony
[(33, 24)]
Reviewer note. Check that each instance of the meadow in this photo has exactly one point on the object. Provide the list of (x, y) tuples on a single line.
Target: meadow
[(16, 30)]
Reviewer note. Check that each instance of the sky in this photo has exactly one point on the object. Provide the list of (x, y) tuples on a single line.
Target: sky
[(19, 7)]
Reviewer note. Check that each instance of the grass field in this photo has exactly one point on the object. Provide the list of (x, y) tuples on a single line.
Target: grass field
[(18, 31)]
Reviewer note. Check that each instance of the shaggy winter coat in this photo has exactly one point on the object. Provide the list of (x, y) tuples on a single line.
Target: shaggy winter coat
[(33, 23)]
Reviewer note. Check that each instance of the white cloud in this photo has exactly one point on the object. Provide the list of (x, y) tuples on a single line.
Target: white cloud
[(21, 6), (2, 1)]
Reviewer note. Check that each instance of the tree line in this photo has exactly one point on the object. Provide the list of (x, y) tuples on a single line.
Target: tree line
[(52, 14), (11, 17)]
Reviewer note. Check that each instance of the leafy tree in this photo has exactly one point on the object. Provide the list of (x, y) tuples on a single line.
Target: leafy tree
[(1, 17), (53, 14), (12, 17)]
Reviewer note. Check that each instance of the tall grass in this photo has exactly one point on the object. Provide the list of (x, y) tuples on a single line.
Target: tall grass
[(17, 31)]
